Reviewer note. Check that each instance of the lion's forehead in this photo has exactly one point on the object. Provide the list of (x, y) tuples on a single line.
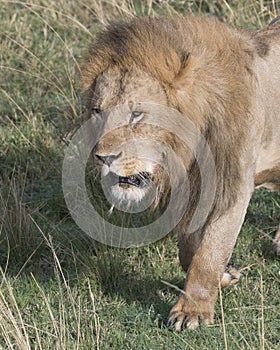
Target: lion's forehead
[(121, 85)]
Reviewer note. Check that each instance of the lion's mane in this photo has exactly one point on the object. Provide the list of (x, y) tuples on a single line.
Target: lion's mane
[(206, 70)]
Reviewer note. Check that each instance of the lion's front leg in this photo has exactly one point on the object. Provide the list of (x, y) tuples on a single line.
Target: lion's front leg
[(196, 304)]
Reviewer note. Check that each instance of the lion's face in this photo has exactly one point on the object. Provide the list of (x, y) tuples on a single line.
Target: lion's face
[(123, 103)]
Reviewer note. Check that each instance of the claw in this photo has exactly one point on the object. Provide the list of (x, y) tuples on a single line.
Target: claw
[(180, 320), (172, 319)]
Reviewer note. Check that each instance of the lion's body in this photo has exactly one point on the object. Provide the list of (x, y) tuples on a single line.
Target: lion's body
[(226, 82)]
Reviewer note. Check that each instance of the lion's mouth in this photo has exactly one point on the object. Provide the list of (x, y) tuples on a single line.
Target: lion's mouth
[(139, 180)]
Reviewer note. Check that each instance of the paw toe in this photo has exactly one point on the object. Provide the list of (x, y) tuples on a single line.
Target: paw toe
[(230, 277), (180, 320)]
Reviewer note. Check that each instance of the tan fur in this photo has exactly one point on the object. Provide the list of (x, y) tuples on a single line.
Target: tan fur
[(226, 82)]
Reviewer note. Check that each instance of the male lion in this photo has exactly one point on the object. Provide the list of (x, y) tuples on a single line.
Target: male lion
[(225, 83)]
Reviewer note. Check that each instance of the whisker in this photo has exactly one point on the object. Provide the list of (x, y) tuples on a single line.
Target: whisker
[(111, 209)]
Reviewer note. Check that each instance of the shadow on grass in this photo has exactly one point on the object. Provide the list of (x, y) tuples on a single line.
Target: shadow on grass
[(262, 219), (64, 249)]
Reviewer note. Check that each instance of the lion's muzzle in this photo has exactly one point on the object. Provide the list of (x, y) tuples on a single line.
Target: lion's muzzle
[(139, 180)]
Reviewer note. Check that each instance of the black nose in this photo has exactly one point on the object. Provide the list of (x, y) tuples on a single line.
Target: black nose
[(108, 160)]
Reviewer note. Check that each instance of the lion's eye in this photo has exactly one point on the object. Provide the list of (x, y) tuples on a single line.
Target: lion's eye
[(97, 111), (135, 117)]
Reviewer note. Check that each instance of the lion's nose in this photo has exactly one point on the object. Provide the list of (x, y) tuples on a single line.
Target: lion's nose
[(108, 159)]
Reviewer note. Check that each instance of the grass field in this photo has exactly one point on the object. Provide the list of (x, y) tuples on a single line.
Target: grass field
[(59, 289)]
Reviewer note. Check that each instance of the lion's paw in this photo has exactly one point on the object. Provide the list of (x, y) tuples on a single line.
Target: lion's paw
[(181, 319)]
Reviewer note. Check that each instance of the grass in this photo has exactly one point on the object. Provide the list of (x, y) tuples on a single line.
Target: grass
[(60, 289)]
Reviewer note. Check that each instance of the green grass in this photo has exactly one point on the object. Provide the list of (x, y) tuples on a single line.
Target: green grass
[(60, 289)]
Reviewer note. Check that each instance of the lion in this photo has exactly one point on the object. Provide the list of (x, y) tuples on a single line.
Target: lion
[(225, 83)]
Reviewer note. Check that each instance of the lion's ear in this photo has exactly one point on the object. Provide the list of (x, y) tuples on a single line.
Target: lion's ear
[(184, 62), (184, 59), (183, 80)]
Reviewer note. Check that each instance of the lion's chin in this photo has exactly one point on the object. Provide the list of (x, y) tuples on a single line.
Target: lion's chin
[(128, 194), (132, 193), (128, 190), (132, 199)]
